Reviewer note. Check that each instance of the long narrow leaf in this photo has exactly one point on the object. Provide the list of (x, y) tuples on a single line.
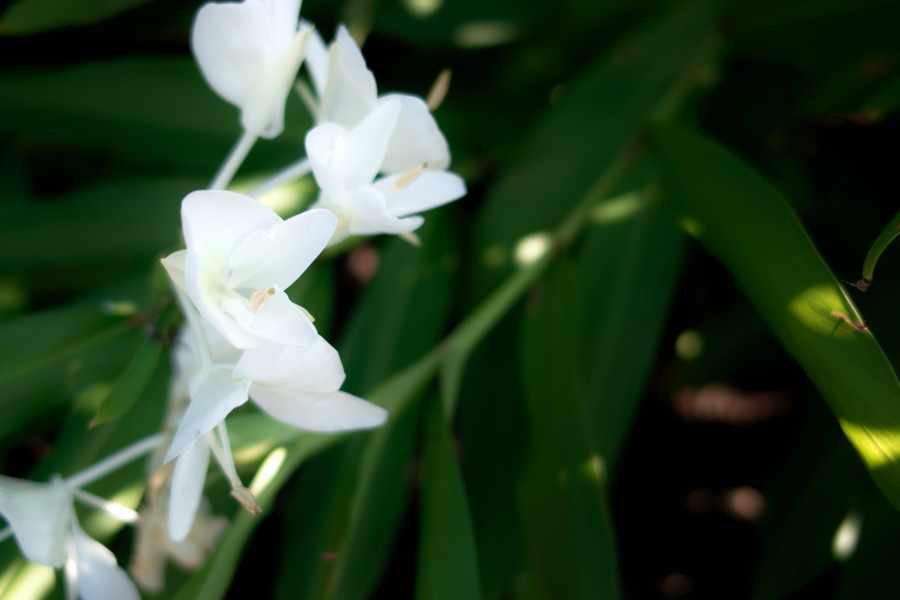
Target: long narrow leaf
[(749, 227)]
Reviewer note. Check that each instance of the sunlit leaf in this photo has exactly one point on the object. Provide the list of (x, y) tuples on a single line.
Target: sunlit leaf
[(748, 226)]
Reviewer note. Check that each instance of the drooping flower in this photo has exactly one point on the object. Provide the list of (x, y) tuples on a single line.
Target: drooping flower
[(42, 519), (296, 384), (240, 257), (346, 163), (249, 53)]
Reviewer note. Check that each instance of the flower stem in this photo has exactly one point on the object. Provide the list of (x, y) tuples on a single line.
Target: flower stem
[(111, 463), (122, 513), (286, 175), (5, 534), (234, 160)]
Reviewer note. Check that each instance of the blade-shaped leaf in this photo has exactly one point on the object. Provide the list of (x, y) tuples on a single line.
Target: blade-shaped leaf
[(26, 17), (565, 514), (447, 565), (750, 228)]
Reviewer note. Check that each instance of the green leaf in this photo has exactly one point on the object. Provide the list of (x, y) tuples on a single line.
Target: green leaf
[(128, 388), (750, 228), (46, 358), (115, 222), (138, 107), (559, 163), (26, 17), (447, 564), (565, 513), (628, 267)]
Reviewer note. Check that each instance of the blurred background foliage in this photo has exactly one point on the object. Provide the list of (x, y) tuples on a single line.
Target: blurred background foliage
[(641, 416)]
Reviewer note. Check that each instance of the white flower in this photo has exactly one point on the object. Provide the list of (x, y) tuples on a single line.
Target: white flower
[(347, 94), (346, 164), (239, 259), (42, 519), (249, 53), (296, 384)]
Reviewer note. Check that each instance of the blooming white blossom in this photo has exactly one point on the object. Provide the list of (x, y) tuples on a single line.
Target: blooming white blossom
[(347, 94), (361, 135), (249, 53), (296, 384), (240, 257), (42, 519), (346, 163)]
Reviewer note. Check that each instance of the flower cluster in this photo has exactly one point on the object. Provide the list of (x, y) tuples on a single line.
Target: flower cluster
[(378, 160)]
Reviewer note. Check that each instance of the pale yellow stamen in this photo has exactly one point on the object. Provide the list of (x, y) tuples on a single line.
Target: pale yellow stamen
[(408, 177), (259, 298), (438, 90)]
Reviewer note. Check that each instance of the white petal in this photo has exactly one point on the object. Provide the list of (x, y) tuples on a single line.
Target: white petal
[(280, 320), (99, 577), (317, 61), (214, 394), (279, 256), (174, 265), (231, 42), (314, 368), (320, 145), (369, 215), (338, 412), (417, 139), (359, 153), (221, 219), (39, 515), (263, 108), (284, 16), (350, 91), (429, 190), (188, 479)]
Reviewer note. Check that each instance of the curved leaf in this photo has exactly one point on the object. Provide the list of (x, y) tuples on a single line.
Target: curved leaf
[(749, 227)]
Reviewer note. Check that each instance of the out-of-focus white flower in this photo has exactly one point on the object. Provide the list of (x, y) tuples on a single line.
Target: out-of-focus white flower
[(240, 257), (42, 519), (249, 53), (346, 163), (153, 546)]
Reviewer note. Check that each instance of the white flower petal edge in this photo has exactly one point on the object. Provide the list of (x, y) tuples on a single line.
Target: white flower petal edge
[(214, 393), (249, 53), (338, 412), (240, 257), (99, 577)]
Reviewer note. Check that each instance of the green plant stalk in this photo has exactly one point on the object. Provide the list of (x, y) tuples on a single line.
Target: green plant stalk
[(887, 235)]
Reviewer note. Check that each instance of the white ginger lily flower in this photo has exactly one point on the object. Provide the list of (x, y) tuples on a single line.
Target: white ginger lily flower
[(249, 53), (296, 384), (347, 94), (239, 259), (42, 519), (346, 163)]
